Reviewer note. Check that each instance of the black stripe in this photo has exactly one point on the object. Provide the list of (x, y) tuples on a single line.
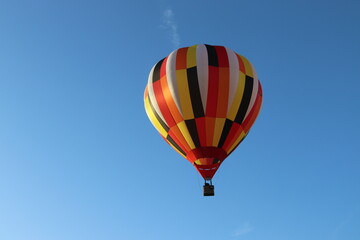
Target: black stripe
[(175, 145), (162, 123), (245, 101), (156, 73), (195, 92), (212, 56), (191, 126), (225, 132)]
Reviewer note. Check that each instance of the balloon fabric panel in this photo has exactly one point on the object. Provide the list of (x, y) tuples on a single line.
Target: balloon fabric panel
[(203, 100)]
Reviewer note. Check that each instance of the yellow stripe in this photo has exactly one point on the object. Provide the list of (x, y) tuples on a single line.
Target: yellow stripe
[(184, 94), (191, 57), (238, 96), (185, 132), (219, 125), (153, 118), (242, 135), (248, 68)]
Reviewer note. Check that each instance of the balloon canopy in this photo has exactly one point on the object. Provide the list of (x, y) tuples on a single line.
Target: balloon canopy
[(203, 101)]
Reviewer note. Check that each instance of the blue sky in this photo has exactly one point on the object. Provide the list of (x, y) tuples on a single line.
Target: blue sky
[(80, 160)]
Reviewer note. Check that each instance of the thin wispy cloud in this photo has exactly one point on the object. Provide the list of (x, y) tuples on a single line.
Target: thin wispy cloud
[(170, 24), (245, 228)]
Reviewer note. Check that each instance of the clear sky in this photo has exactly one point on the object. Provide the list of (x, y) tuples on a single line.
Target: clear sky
[(80, 160)]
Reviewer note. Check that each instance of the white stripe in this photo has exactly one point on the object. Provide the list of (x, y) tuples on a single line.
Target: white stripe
[(234, 76), (203, 72), (254, 91), (152, 94), (171, 79)]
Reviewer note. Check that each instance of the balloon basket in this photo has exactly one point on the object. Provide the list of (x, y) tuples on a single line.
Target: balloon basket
[(208, 189)]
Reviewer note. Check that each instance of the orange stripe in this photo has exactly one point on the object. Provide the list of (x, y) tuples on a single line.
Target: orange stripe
[(146, 92), (241, 64), (223, 92), (181, 140), (162, 104), (170, 101), (181, 58), (210, 127)]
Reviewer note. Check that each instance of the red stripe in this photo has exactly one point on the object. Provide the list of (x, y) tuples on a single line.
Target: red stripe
[(190, 157), (223, 59), (181, 58), (223, 95), (200, 125), (162, 104), (234, 133), (213, 89), (210, 152), (198, 153), (163, 68), (224, 78)]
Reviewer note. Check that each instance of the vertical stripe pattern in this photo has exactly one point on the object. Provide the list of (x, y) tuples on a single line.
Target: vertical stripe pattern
[(203, 101)]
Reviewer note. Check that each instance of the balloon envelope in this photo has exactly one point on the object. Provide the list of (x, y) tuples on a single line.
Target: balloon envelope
[(203, 101)]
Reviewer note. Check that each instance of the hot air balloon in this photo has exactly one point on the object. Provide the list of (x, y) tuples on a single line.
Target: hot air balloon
[(203, 101)]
